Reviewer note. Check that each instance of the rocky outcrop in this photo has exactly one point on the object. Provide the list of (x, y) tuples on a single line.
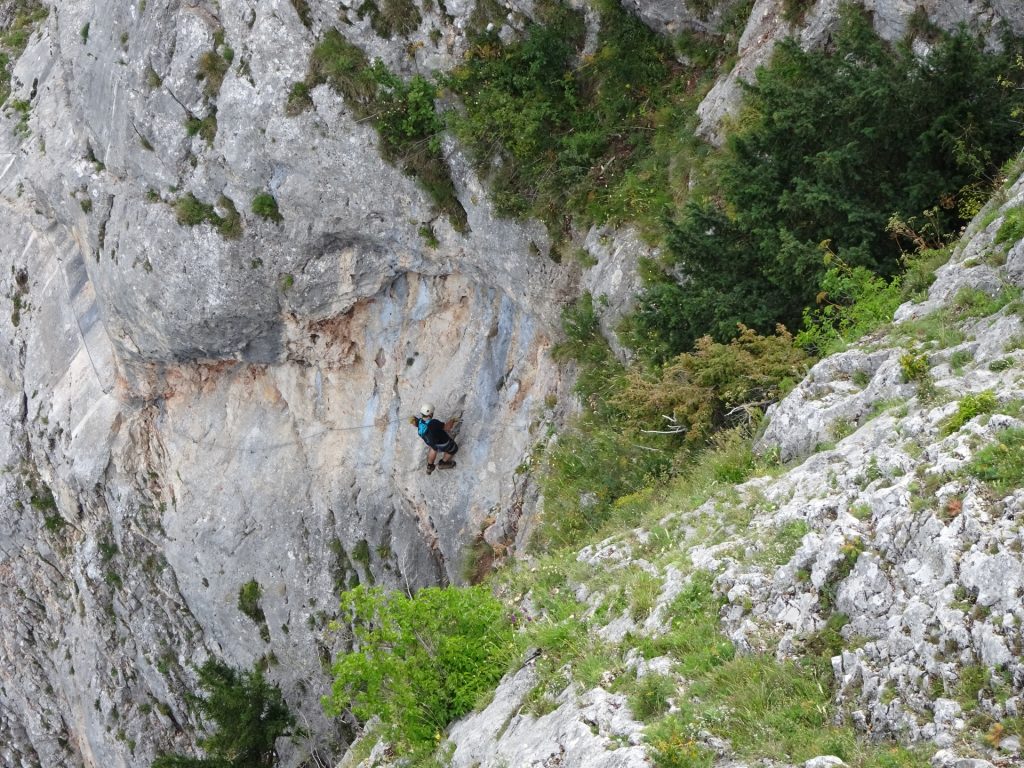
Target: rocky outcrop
[(882, 543)]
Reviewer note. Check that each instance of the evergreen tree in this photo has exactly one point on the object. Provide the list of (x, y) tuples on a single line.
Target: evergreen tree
[(247, 715)]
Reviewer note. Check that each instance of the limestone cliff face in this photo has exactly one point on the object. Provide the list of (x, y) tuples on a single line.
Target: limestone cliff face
[(182, 412)]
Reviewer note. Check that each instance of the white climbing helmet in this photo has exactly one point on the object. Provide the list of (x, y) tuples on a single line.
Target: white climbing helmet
[(426, 410)]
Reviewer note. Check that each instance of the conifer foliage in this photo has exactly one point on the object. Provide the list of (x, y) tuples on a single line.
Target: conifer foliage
[(833, 143), (247, 714)]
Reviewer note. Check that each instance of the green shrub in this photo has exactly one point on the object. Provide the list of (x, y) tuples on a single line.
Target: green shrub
[(244, 715), (264, 205), (421, 661), (971, 405), (559, 137), (852, 302), (1001, 464), (914, 367), (716, 386), (831, 144)]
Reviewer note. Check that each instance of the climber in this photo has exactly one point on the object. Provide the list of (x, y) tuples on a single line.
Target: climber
[(435, 435)]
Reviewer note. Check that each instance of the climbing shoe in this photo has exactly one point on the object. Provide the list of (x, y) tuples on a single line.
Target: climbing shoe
[(446, 464), (430, 468)]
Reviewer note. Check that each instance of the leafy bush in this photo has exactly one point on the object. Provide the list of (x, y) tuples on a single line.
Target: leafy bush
[(832, 143), (852, 302), (419, 662), (971, 405), (1001, 464), (716, 385), (247, 715), (914, 367)]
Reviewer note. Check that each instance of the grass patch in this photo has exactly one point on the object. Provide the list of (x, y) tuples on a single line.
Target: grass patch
[(971, 302), (1001, 464), (213, 65), (783, 544), (1012, 228), (205, 127), (650, 697), (391, 17), (192, 212)]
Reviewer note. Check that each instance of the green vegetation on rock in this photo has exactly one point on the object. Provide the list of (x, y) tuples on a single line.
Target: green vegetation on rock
[(421, 661), (402, 111), (831, 144), (24, 18), (244, 715)]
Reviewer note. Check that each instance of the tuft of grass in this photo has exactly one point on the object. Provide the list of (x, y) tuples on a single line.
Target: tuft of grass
[(205, 127), (299, 99), (249, 595), (391, 17), (213, 66), (192, 212), (264, 205), (650, 697), (971, 302)]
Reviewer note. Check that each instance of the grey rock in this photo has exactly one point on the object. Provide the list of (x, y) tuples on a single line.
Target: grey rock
[(824, 761)]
